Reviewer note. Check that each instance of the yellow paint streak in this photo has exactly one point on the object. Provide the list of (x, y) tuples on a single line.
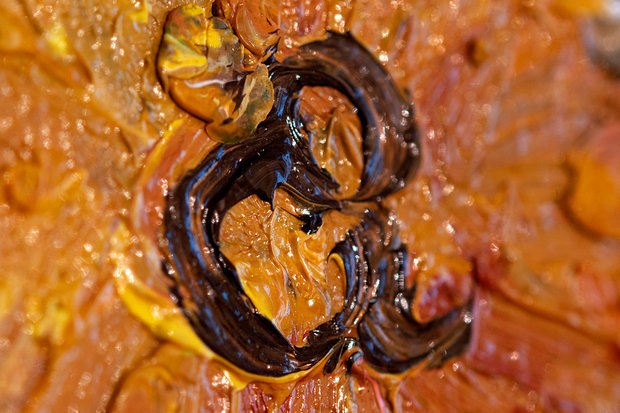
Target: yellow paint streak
[(214, 39), (55, 317), (57, 40), (158, 313), (192, 10), (184, 61), (141, 14)]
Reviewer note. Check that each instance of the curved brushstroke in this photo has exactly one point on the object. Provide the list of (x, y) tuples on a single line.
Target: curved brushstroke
[(278, 155)]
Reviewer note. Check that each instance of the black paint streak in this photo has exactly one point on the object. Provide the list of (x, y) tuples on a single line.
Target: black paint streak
[(278, 155)]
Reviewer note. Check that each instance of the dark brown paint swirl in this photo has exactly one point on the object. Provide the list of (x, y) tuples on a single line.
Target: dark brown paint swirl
[(375, 318)]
